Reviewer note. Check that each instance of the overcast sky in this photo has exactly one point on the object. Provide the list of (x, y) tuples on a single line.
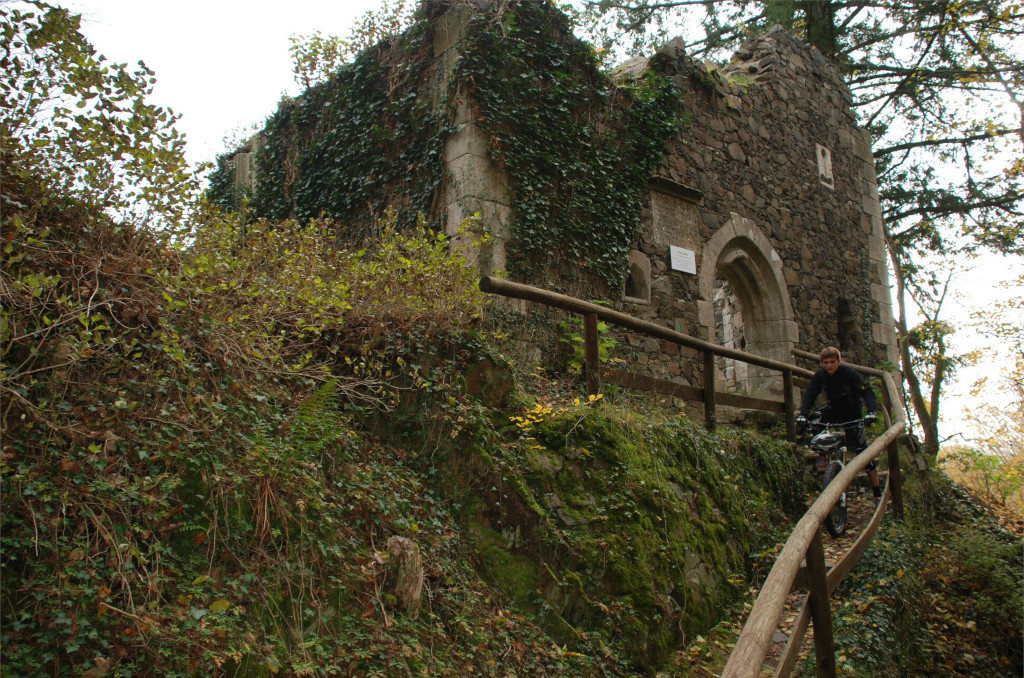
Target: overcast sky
[(224, 65), (221, 64)]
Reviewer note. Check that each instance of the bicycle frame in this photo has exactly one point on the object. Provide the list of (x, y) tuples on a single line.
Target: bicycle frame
[(828, 458), (829, 439)]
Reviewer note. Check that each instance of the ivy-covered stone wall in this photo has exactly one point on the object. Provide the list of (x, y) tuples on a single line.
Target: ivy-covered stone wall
[(648, 186), (350, 148), (771, 186)]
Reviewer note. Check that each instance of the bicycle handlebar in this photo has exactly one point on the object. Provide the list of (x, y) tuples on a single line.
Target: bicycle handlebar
[(845, 424), (822, 425)]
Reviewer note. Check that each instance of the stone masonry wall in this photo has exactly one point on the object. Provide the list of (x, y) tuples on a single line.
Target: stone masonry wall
[(768, 191), (772, 187)]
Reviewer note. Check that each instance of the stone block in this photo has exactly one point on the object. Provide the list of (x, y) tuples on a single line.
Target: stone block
[(674, 221), (476, 177), (450, 28), (865, 223), (871, 206), (862, 146), (445, 65), (779, 331), (243, 173), (706, 313), (845, 138), (883, 334), (876, 249), (462, 112), (886, 315), (468, 139), (737, 153), (494, 216), (494, 219), (881, 294)]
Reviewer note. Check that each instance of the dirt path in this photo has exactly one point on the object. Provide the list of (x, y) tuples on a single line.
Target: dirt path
[(861, 508), (707, 654)]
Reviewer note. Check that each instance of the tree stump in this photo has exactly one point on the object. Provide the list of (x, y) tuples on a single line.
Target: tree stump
[(408, 573)]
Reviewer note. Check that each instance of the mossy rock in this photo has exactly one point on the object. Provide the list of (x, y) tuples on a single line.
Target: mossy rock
[(516, 575), (639, 529), (490, 382)]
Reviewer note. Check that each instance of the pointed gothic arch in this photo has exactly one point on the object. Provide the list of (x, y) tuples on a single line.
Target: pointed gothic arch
[(740, 267)]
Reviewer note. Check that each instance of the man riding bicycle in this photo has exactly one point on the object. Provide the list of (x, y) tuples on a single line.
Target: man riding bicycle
[(845, 389)]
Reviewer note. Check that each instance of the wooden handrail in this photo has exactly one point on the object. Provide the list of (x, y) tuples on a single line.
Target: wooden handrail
[(838, 572), (755, 638), (513, 290), (873, 371), (804, 542)]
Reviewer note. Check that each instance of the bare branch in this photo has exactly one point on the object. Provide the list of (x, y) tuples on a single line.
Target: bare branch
[(927, 143)]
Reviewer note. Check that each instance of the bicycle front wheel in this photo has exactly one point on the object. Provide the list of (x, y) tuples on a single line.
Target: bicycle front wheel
[(835, 521)]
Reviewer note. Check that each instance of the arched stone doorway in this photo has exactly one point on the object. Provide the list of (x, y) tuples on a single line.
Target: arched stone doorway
[(745, 305)]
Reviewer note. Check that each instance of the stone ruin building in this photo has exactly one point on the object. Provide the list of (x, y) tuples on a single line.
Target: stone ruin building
[(759, 229)]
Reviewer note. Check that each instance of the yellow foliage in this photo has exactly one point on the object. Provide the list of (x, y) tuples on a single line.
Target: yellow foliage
[(279, 294)]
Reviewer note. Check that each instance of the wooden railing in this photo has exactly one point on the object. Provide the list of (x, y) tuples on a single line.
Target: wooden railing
[(805, 543), (592, 313)]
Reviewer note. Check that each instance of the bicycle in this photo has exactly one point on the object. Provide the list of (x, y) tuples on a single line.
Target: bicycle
[(828, 447)]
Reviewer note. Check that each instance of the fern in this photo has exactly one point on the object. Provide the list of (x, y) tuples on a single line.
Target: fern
[(319, 421)]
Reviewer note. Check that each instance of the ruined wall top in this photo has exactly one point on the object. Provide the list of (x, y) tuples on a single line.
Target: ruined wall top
[(775, 57)]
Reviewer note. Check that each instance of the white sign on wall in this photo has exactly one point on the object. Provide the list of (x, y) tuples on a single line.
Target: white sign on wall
[(682, 260)]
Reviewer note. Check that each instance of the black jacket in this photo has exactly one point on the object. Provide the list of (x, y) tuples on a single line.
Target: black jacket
[(845, 389)]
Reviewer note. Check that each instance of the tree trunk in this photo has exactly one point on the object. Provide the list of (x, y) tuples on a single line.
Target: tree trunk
[(821, 27), (927, 417)]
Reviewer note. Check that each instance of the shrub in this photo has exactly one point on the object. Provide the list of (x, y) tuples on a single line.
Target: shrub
[(279, 295)]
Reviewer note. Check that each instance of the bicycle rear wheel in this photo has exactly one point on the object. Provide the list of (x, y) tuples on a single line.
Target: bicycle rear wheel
[(835, 521)]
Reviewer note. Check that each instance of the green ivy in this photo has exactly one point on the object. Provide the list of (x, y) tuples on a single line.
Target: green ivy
[(221, 190), (579, 148), (349, 148)]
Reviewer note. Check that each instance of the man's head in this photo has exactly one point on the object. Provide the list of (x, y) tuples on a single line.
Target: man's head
[(830, 359)]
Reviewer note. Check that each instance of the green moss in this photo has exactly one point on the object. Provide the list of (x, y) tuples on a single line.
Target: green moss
[(514, 574), (651, 521), (543, 462)]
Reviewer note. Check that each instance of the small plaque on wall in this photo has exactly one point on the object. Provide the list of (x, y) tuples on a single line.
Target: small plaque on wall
[(682, 260)]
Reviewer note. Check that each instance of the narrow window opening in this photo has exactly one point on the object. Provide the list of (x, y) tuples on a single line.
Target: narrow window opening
[(824, 158), (638, 280), (850, 337)]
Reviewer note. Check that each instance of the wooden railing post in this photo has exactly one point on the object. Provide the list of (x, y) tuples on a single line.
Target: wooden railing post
[(787, 388), (821, 612), (709, 390), (893, 454), (895, 481), (591, 356)]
